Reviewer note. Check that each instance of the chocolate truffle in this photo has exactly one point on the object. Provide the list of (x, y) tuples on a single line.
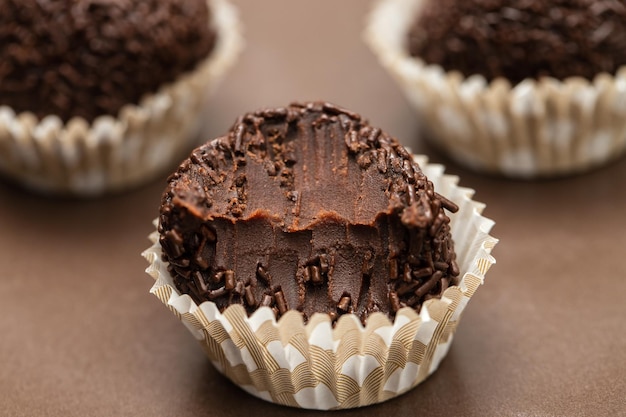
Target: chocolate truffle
[(306, 208), (89, 58), (521, 39)]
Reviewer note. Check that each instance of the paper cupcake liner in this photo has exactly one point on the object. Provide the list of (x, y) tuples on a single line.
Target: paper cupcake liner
[(118, 152), (317, 366), (537, 128)]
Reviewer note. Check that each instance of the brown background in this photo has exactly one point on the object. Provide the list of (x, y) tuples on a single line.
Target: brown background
[(81, 336)]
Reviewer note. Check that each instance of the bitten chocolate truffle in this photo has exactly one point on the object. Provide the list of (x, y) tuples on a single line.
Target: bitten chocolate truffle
[(88, 58), (518, 39), (306, 208)]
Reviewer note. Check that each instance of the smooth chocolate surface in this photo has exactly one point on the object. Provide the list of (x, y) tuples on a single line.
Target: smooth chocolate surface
[(522, 39), (89, 58), (306, 207)]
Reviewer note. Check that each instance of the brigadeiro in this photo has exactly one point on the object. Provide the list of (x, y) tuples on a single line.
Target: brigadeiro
[(102, 95), (521, 88), (318, 242)]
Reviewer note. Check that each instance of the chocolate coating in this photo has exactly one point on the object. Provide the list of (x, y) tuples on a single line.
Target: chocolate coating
[(310, 208), (90, 57), (518, 39)]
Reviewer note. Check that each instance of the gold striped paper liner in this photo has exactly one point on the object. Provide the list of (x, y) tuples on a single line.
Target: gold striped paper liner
[(113, 153), (537, 128), (317, 366)]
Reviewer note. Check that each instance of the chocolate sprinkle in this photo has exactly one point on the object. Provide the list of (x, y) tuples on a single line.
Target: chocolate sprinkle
[(229, 277), (87, 58), (308, 208), (428, 285), (344, 304), (422, 272), (218, 277), (213, 294), (262, 274), (316, 276), (249, 295), (394, 301), (393, 268), (281, 302), (267, 300), (518, 39)]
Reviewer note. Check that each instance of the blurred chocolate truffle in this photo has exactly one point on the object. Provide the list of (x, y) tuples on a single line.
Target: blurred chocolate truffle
[(89, 58), (306, 208), (521, 39)]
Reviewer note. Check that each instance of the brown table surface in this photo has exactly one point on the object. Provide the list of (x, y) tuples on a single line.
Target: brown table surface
[(81, 336)]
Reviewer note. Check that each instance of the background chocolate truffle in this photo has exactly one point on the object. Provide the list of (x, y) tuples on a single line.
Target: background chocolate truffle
[(518, 39), (306, 208), (88, 58)]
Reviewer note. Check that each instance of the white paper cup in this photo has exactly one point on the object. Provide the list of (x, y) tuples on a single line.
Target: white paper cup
[(537, 128), (317, 366), (114, 153)]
